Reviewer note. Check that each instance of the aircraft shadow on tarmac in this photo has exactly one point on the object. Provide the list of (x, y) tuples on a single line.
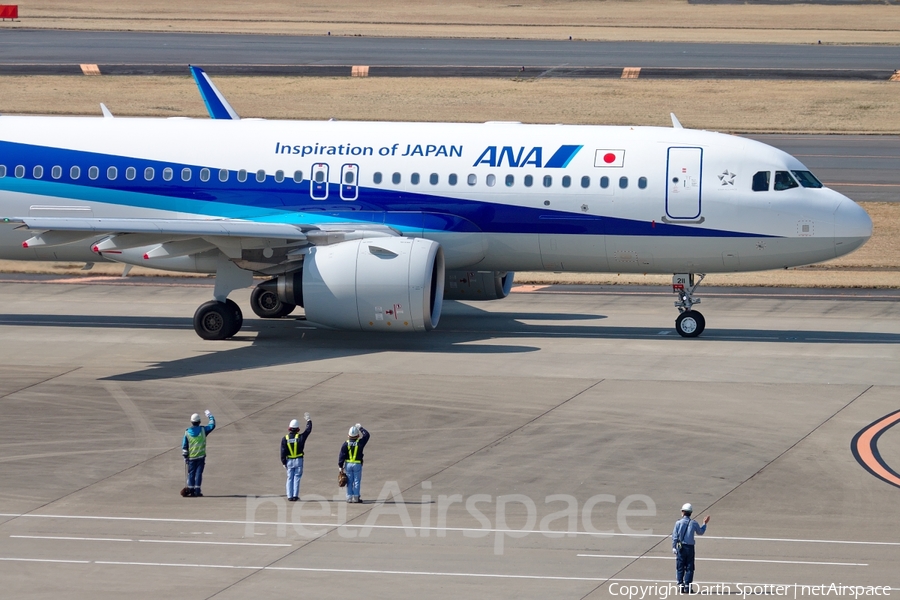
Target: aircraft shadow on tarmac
[(293, 340)]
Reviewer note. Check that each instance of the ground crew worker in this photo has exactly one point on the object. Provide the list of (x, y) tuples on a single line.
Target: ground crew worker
[(292, 456), (350, 460), (683, 546), (193, 449)]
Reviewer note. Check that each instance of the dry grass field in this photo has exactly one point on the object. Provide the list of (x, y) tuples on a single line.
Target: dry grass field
[(653, 20)]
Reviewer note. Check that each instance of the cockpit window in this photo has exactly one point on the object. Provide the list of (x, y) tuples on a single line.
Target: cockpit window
[(784, 181), (761, 181), (807, 179)]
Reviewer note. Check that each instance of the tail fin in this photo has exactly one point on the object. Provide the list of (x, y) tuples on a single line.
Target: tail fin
[(216, 104)]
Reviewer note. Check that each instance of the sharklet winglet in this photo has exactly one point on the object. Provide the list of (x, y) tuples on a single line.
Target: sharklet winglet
[(216, 104)]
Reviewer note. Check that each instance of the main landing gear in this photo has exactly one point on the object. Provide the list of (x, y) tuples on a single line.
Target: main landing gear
[(222, 318), (690, 323)]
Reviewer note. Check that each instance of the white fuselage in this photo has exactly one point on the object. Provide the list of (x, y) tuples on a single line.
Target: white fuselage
[(496, 196)]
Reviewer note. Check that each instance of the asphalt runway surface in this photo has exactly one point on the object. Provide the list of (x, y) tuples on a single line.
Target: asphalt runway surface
[(539, 446), (24, 46)]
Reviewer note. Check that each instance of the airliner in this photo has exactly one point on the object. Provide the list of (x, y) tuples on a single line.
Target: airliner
[(371, 225)]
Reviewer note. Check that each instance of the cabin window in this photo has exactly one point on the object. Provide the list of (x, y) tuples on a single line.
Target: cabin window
[(510, 180), (472, 179), (320, 176), (260, 176), (376, 177), (348, 178), (223, 174), (761, 181), (37, 171), (585, 182), (491, 180), (623, 182), (566, 181), (242, 175), (204, 174), (642, 183), (20, 171), (604, 182), (75, 172), (112, 173), (452, 179), (298, 176), (528, 181), (433, 179), (807, 179), (279, 176), (414, 179), (395, 178), (93, 172), (56, 172), (130, 173), (149, 173), (2, 171), (167, 174), (185, 174), (784, 181), (548, 180)]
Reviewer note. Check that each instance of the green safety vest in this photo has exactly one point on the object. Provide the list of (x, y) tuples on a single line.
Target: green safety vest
[(352, 451), (196, 444), (292, 446)]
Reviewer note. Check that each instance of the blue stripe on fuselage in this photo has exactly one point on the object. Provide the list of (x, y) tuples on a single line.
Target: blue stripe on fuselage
[(290, 202)]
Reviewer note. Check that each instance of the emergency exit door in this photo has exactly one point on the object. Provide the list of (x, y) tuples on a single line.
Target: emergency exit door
[(683, 181)]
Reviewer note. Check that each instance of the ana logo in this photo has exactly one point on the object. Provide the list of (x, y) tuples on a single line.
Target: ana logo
[(507, 156)]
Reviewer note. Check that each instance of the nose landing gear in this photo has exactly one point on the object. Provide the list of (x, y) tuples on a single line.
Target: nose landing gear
[(690, 323)]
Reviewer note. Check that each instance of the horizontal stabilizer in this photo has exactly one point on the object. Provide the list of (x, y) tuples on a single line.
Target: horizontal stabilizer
[(216, 104)]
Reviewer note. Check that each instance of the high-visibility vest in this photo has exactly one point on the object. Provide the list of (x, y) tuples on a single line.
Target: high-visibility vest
[(352, 451), (196, 444), (292, 446)]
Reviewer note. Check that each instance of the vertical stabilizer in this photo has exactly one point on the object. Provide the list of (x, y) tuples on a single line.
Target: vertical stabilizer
[(216, 104)]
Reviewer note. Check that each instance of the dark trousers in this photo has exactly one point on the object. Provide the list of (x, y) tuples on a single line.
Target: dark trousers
[(684, 566), (195, 472)]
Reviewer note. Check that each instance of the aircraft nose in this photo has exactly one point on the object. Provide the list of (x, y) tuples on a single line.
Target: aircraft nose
[(852, 227)]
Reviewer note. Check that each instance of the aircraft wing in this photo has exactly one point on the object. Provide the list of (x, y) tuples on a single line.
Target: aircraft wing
[(164, 238)]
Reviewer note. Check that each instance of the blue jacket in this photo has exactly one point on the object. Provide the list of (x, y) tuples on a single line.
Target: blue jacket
[(361, 443), (685, 528), (194, 431)]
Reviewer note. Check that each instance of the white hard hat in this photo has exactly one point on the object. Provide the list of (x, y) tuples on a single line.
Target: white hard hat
[(195, 418), (687, 508), (295, 424), (354, 432)]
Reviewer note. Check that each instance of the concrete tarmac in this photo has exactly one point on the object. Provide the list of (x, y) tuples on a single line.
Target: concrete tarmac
[(539, 446)]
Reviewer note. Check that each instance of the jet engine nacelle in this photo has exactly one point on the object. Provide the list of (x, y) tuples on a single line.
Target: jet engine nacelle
[(478, 285), (387, 284)]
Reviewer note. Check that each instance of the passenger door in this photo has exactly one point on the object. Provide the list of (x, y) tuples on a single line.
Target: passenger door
[(683, 183)]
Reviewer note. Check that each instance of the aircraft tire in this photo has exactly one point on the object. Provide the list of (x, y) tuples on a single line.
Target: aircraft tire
[(215, 320), (690, 324), (238, 316), (267, 305)]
